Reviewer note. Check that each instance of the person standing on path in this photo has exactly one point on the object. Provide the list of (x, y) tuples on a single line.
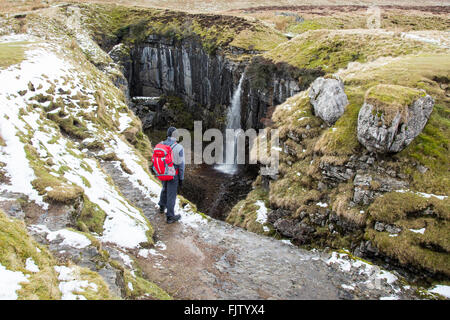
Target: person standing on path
[(170, 188)]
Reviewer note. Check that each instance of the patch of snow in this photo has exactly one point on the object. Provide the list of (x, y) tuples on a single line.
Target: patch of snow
[(421, 231), (124, 122), (10, 283), (373, 274), (442, 290), (126, 260), (322, 204), (17, 167), (389, 298), (70, 238), (425, 195), (389, 277), (70, 285), (336, 258), (266, 229), (31, 266), (145, 253), (429, 195), (347, 287), (161, 245), (130, 286), (18, 38), (420, 38), (288, 242), (261, 213)]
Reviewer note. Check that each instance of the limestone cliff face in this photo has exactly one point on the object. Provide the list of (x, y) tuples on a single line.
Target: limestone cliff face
[(269, 84), (258, 101), (183, 68)]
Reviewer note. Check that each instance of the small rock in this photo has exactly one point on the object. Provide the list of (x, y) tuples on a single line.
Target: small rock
[(379, 226), (392, 229), (321, 186), (422, 169)]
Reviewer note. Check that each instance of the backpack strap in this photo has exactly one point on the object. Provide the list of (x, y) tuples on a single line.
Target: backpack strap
[(171, 145), (171, 148)]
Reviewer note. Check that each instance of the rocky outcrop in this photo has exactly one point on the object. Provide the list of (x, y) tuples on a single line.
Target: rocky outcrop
[(368, 187), (328, 99), (288, 227), (269, 84), (258, 100), (147, 109), (379, 135), (183, 68)]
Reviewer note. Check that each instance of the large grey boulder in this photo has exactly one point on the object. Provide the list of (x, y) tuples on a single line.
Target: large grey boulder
[(328, 99), (389, 128)]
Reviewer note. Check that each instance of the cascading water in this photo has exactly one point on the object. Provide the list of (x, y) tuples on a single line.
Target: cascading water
[(233, 122)]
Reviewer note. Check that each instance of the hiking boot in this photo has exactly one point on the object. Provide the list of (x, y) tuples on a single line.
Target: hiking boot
[(161, 209), (173, 219)]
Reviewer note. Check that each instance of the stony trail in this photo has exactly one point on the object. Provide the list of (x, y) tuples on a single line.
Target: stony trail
[(220, 261)]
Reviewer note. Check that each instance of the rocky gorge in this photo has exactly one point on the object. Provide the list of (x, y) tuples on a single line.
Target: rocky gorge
[(363, 170)]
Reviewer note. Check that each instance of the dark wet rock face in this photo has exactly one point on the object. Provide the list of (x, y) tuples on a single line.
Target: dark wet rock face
[(182, 68), (148, 109), (164, 66), (269, 84)]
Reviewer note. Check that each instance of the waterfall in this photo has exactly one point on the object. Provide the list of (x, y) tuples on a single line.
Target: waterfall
[(233, 122)]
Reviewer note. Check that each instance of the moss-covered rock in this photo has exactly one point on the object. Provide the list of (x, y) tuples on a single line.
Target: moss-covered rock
[(392, 116), (138, 287), (91, 217), (390, 100), (17, 247)]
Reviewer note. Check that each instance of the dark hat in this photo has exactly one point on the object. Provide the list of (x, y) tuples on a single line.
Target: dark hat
[(170, 131)]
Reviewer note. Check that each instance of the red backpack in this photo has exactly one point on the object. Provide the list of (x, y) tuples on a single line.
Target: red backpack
[(163, 162)]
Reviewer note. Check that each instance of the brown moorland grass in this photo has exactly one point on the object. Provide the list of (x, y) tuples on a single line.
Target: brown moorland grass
[(214, 6)]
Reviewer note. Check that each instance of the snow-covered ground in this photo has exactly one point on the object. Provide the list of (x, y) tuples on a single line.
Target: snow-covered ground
[(10, 283), (70, 284), (21, 125), (47, 71)]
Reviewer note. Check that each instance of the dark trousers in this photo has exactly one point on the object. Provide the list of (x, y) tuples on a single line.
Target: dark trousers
[(169, 196)]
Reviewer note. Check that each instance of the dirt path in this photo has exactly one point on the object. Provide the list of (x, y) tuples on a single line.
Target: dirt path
[(219, 261)]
